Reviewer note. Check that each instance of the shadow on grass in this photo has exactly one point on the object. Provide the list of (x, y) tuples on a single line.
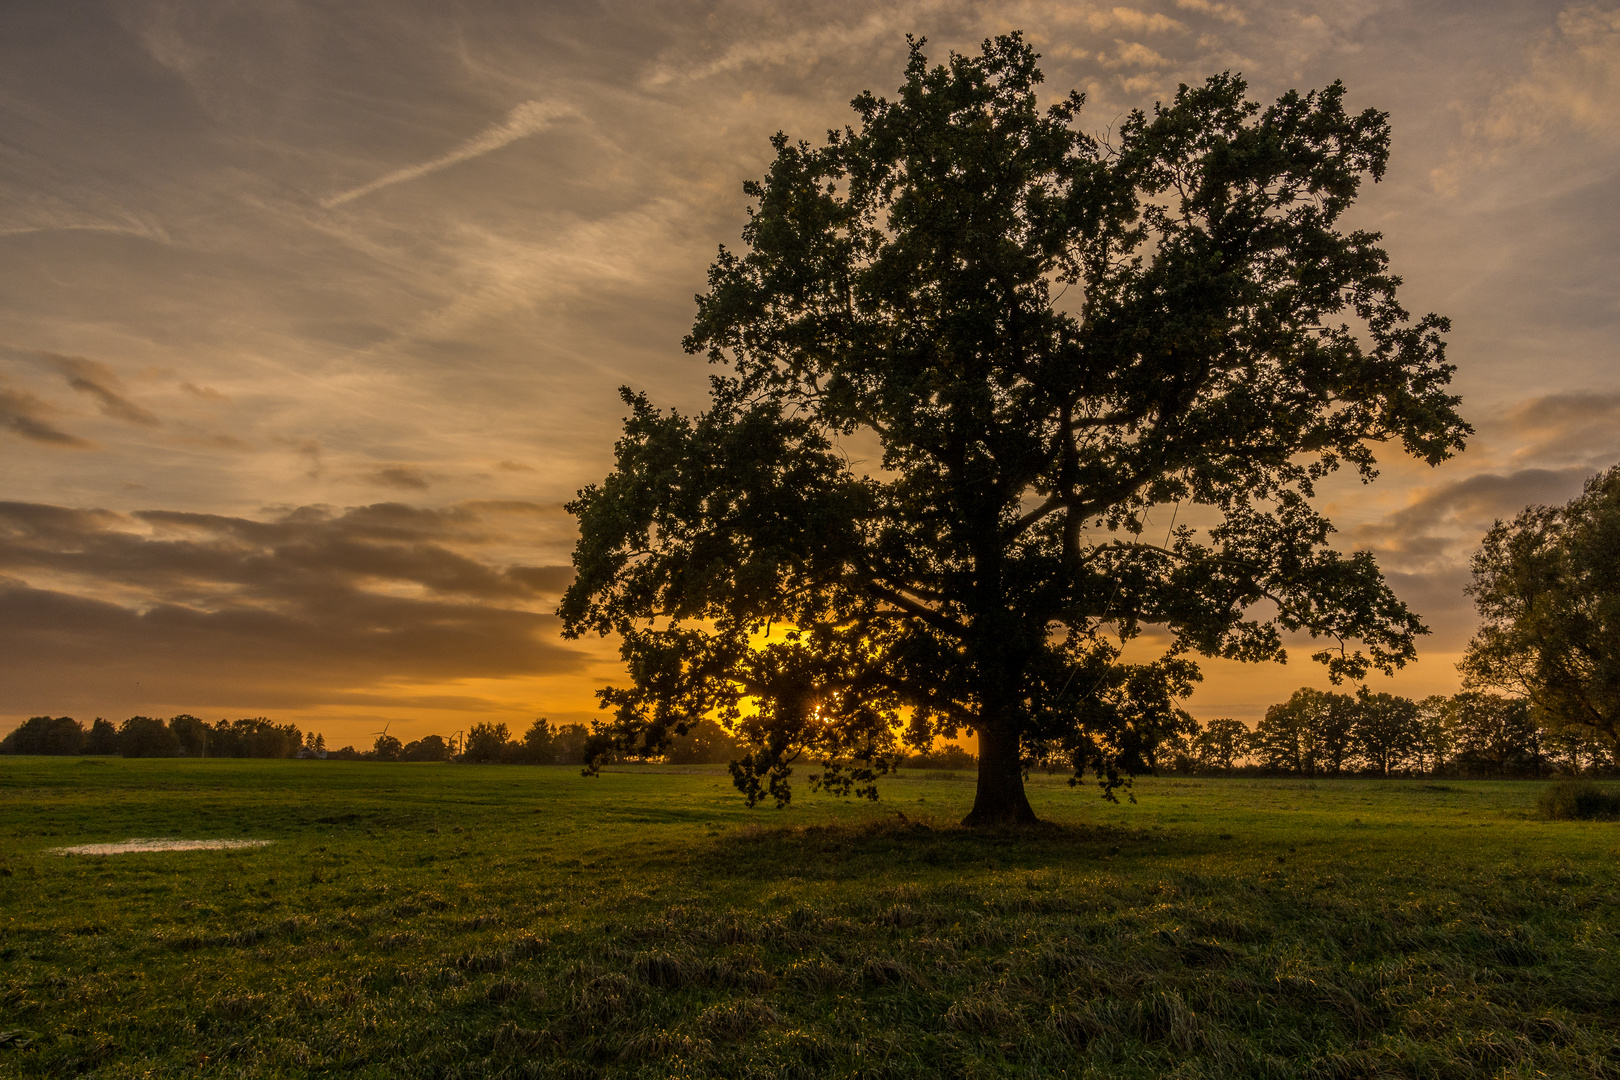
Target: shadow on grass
[(898, 844)]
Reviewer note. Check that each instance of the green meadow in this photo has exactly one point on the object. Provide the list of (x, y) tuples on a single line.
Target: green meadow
[(473, 921)]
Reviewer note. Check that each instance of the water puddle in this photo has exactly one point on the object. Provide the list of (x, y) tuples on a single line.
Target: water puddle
[(157, 844)]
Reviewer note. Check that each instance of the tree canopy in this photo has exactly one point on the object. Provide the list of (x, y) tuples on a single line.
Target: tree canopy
[(1046, 338), (1547, 586)]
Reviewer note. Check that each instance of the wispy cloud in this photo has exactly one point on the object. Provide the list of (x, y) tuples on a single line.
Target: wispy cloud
[(403, 477), (308, 606), (1574, 80), (1441, 526), (24, 414), (101, 383), (1132, 19), (526, 119), (207, 393)]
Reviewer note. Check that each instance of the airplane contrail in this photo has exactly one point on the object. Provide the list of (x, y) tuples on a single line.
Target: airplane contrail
[(526, 119)]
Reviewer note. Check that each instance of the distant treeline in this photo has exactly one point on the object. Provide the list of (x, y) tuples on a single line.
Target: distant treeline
[(189, 736), (706, 743), (147, 736), (1313, 733), (1468, 735), (542, 744)]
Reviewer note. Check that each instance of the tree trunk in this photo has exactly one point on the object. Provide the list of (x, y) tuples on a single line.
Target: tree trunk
[(1000, 799)]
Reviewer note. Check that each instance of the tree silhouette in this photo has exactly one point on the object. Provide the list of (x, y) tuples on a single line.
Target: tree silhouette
[(1221, 742), (45, 735), (147, 736), (102, 739), (1548, 593), (485, 742), (972, 367), (1388, 730)]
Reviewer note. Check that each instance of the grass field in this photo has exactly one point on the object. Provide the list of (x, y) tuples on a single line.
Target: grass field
[(435, 920)]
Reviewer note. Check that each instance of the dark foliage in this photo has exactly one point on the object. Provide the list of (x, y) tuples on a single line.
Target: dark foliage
[(1387, 729), (192, 733), (1572, 801), (1547, 585), (102, 739), (485, 742), (256, 738), (147, 736), (946, 756), (1053, 340), (45, 735), (705, 743), (1469, 736), (427, 748)]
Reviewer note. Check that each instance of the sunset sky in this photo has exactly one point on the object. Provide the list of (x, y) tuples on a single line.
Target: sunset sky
[(312, 314)]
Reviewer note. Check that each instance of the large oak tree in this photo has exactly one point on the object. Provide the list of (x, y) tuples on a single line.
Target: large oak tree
[(1046, 338)]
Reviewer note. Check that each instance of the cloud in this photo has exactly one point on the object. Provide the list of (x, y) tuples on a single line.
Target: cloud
[(1573, 81), (1577, 427), (1225, 12), (1135, 54), (1437, 598), (514, 466), (1132, 19), (1443, 524), (306, 550), (782, 39), (526, 119), (310, 450), (213, 441), (403, 477), (308, 606), (24, 415), (207, 393), (101, 383)]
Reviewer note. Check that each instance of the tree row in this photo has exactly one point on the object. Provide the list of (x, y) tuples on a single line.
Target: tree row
[(1470, 734)]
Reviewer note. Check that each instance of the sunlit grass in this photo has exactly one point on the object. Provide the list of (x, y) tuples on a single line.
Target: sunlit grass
[(434, 920)]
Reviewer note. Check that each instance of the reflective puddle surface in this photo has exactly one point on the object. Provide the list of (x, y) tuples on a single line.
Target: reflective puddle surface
[(156, 844)]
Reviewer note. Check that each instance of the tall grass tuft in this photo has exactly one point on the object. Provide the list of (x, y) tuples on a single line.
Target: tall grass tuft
[(1570, 800)]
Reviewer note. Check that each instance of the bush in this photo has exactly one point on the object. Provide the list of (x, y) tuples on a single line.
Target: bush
[(1572, 801), (945, 756)]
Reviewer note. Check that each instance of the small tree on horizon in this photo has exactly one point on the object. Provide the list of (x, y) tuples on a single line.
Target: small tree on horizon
[(1059, 351), (1433, 746), (1388, 730), (387, 748), (1494, 735), (1221, 742), (485, 742)]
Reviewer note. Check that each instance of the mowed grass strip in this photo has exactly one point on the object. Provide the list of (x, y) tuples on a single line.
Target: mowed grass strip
[(432, 920)]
